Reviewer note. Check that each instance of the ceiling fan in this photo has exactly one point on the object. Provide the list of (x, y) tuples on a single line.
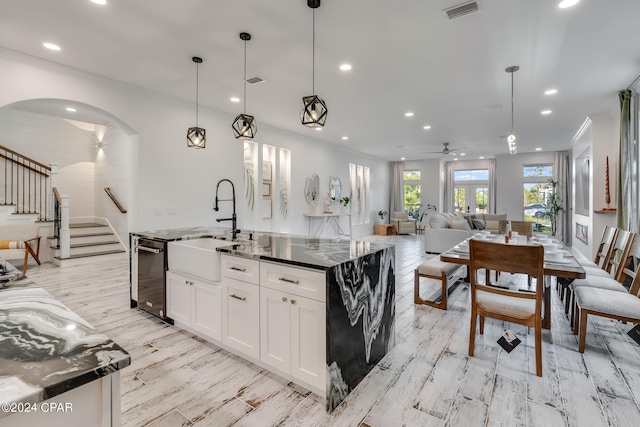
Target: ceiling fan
[(445, 150)]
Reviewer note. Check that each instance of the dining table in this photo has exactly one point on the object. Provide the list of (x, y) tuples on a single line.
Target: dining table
[(567, 267)]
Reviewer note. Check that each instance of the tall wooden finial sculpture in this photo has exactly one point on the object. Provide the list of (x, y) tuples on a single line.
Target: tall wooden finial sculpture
[(607, 194)]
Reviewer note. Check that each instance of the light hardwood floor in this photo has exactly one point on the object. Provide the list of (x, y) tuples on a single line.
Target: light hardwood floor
[(176, 379)]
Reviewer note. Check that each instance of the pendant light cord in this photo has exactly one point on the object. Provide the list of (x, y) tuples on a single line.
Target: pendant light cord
[(313, 54), (244, 108), (197, 87), (512, 102)]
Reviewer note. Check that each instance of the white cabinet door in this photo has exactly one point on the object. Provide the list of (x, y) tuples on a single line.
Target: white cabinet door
[(241, 317), (207, 309), (179, 298), (308, 341), (275, 327)]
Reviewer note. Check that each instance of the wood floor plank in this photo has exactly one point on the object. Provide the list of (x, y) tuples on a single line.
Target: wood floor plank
[(480, 374), (541, 415), (620, 412), (274, 410), (581, 402), (439, 392), (508, 406), (393, 408), (467, 412)]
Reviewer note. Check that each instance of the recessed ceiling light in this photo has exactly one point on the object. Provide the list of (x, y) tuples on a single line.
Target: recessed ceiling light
[(70, 109), (463, 154), (344, 138), (100, 2), (455, 158), (234, 99), (409, 114), (551, 92), (51, 46), (567, 3), (545, 112), (402, 146), (481, 157), (345, 67), (402, 158), (318, 129), (427, 127), (538, 148)]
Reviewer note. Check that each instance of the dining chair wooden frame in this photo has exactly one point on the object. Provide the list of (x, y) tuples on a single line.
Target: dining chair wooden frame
[(487, 301), (621, 306), (524, 228)]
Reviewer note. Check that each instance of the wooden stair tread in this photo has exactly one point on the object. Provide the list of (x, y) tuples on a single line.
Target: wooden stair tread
[(83, 245), (86, 225), (93, 254), (92, 234)]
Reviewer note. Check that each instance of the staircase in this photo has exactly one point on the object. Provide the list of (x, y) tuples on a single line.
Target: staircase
[(90, 242)]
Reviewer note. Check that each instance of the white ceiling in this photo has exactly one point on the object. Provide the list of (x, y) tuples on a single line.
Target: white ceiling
[(406, 56)]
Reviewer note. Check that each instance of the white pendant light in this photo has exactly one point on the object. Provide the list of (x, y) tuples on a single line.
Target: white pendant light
[(196, 136), (511, 139), (244, 126), (314, 110)]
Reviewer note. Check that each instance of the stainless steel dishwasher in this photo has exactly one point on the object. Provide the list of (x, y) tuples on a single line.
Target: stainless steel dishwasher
[(152, 268)]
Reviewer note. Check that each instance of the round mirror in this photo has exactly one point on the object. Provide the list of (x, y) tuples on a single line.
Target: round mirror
[(335, 187), (312, 189)]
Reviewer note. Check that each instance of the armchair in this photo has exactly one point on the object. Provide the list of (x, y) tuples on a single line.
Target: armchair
[(403, 223)]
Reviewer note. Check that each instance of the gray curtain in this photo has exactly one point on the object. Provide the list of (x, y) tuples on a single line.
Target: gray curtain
[(626, 162), (563, 176), (449, 187), (397, 188), (493, 186)]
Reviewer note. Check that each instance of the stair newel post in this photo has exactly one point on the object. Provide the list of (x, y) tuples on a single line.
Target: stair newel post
[(65, 232), (53, 183)]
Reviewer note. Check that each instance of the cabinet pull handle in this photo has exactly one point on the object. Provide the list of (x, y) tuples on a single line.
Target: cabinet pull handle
[(186, 282), (293, 301), (284, 299), (237, 297), (284, 279), (238, 269)]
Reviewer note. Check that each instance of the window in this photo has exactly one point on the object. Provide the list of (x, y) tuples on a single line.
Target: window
[(471, 190), (536, 191), (412, 192)]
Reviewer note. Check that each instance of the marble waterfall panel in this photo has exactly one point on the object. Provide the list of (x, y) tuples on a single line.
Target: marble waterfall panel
[(360, 320)]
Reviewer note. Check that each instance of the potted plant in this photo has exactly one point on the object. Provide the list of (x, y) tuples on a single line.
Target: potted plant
[(345, 202), (382, 214), (555, 204)]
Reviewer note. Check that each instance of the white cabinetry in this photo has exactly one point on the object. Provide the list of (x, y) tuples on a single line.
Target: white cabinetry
[(195, 304), (241, 305), (292, 326)]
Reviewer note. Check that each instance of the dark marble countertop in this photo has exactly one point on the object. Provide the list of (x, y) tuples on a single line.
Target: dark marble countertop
[(303, 251), (45, 348)]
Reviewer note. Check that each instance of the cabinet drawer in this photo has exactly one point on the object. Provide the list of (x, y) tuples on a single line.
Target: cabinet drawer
[(238, 268), (296, 281)]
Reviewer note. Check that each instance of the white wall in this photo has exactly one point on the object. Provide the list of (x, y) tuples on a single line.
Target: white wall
[(164, 172), (599, 138)]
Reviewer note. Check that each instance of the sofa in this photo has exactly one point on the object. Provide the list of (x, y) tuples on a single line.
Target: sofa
[(445, 230), (403, 223)]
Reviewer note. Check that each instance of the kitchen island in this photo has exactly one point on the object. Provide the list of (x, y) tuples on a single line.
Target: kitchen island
[(283, 281), (55, 368)]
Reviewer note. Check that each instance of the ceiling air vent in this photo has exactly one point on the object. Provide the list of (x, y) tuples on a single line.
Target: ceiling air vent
[(461, 10), (254, 80)]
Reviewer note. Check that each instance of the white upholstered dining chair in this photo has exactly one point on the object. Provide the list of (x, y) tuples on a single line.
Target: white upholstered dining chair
[(524, 308)]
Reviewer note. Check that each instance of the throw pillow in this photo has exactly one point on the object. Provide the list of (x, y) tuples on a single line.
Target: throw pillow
[(437, 221), (461, 224), (478, 224)]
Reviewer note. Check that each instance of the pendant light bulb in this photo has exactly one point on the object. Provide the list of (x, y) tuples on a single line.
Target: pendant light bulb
[(244, 126), (314, 110), (196, 136)]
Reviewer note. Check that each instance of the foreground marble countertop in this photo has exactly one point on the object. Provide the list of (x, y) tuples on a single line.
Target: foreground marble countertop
[(47, 349), (302, 251)]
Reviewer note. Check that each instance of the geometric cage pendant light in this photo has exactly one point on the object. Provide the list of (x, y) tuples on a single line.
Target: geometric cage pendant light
[(511, 139), (244, 126), (196, 136), (314, 110)]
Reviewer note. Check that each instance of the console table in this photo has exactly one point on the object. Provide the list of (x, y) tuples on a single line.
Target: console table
[(326, 218), (385, 229)]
